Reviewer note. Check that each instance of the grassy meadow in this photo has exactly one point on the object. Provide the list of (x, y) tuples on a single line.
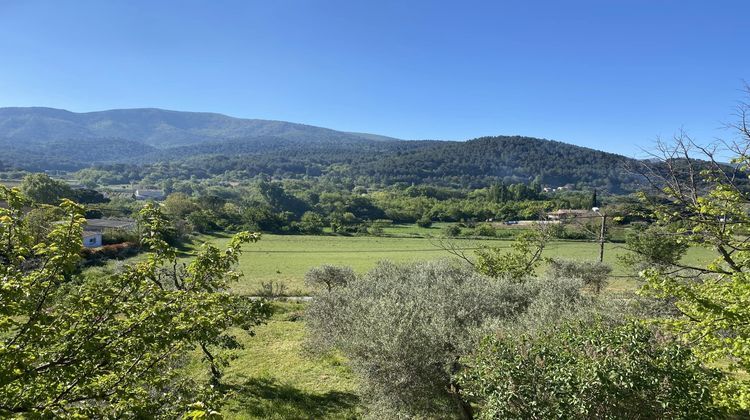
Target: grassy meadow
[(286, 258), (274, 377)]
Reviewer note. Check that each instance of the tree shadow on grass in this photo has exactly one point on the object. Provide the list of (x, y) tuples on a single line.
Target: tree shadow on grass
[(267, 398)]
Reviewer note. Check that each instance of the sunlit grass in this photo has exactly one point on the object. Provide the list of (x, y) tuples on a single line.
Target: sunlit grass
[(286, 258), (274, 377)]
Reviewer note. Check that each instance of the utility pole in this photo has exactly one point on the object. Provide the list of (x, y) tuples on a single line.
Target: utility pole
[(601, 233)]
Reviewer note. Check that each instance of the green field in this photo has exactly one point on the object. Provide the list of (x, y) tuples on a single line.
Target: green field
[(273, 377), (286, 258)]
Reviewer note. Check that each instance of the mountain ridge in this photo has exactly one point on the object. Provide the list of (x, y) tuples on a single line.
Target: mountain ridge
[(154, 127), (39, 138)]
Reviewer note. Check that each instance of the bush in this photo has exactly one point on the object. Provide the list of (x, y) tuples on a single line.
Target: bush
[(452, 231), (404, 327), (377, 227), (311, 223), (582, 371), (593, 274), (484, 229), (118, 236), (117, 251), (424, 222), (329, 276)]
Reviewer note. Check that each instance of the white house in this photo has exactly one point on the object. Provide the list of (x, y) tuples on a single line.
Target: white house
[(92, 239)]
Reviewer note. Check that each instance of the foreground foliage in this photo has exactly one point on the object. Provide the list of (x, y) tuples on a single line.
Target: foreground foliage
[(111, 346), (587, 370), (705, 204), (404, 329)]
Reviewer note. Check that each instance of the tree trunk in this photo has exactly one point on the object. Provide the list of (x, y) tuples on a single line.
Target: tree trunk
[(464, 408)]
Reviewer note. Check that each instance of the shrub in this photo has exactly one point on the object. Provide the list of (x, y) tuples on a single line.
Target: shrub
[(593, 274), (424, 222), (484, 229), (404, 327), (582, 371), (329, 276), (118, 236), (452, 231), (311, 223)]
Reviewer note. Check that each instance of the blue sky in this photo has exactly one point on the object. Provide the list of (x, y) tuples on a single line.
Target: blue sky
[(611, 75)]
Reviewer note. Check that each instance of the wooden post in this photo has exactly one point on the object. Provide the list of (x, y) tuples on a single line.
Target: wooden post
[(601, 238)]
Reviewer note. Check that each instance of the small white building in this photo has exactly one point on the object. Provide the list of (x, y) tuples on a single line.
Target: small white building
[(92, 239)]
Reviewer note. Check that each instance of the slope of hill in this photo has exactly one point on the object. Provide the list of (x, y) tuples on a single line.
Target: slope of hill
[(150, 126), (212, 144)]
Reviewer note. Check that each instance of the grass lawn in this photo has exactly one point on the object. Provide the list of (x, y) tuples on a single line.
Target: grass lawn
[(286, 258), (274, 378)]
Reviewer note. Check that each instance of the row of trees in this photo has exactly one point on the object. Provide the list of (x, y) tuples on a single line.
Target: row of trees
[(307, 207)]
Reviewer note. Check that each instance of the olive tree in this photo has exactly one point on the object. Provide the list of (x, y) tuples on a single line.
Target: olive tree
[(405, 327), (112, 345), (593, 274), (329, 276)]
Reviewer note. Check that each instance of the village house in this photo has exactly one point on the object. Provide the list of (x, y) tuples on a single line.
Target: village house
[(92, 239)]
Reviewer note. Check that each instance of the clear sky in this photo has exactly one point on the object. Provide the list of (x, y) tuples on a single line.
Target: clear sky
[(607, 74)]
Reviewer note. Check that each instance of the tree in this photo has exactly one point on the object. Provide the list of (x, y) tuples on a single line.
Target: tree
[(592, 274), (87, 196), (311, 222), (424, 221), (583, 370), (703, 203), (40, 220), (654, 248), (111, 346), (42, 189), (404, 328), (329, 276), (517, 264), (594, 200), (179, 205)]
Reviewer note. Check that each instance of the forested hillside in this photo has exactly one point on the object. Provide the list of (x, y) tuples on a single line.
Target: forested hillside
[(187, 144)]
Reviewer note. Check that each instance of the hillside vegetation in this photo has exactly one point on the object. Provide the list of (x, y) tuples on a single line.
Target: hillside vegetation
[(206, 144)]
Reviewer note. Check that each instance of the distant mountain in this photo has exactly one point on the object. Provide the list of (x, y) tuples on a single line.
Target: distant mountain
[(206, 144), (153, 127)]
